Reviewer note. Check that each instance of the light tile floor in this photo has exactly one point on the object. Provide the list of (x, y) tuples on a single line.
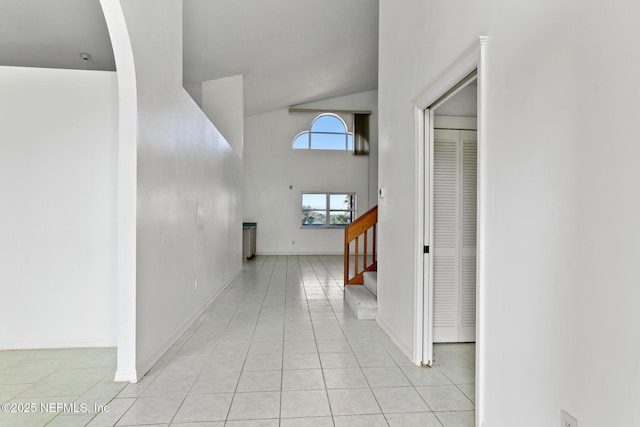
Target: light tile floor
[(276, 348)]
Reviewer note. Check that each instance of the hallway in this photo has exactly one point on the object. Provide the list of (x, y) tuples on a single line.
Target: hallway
[(277, 348)]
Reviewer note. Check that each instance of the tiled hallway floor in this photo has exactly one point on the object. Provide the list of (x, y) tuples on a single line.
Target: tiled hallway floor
[(277, 348)]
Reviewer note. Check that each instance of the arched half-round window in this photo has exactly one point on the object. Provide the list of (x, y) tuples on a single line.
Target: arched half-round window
[(328, 132)]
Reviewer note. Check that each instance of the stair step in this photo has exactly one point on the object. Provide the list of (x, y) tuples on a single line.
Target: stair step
[(361, 301), (371, 281)]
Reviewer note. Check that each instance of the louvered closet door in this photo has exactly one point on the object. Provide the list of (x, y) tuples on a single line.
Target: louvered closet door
[(454, 236)]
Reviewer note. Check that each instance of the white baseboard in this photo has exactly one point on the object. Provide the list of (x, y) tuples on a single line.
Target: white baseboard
[(145, 366), (302, 253), (43, 345), (126, 376), (394, 337)]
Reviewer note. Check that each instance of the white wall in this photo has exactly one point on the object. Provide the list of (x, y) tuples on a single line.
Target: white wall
[(195, 90), (463, 104), (58, 180), (360, 101), (223, 103), (188, 200), (559, 312), (271, 166)]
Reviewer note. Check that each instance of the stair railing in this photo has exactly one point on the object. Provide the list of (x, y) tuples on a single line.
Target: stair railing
[(358, 228)]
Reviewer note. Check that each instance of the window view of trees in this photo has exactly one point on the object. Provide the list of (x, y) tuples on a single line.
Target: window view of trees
[(317, 207), (340, 219), (311, 217)]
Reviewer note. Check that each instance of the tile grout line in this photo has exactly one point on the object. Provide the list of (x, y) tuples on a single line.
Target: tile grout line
[(208, 356), (315, 340), (252, 335), (248, 318), (411, 385), (284, 331), (357, 361)]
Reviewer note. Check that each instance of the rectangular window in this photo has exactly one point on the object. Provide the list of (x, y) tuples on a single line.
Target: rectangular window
[(328, 210)]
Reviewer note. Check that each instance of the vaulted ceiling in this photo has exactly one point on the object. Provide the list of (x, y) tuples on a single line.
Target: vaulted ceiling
[(289, 51)]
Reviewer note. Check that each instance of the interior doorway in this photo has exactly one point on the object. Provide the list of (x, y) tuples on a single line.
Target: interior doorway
[(450, 180), (450, 216), (468, 68)]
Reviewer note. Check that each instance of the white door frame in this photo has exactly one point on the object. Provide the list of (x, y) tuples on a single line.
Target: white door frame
[(473, 58)]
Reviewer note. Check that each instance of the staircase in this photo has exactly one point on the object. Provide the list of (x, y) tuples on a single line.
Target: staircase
[(360, 277), (362, 300)]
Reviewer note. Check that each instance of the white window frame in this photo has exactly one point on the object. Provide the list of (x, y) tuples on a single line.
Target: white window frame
[(328, 209), (310, 133)]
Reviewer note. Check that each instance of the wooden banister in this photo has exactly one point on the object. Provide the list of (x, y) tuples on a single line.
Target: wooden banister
[(360, 227)]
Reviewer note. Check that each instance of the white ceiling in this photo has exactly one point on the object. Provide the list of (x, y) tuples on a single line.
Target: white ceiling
[(53, 33), (289, 51)]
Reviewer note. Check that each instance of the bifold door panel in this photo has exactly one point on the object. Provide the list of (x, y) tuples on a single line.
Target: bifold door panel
[(454, 235)]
